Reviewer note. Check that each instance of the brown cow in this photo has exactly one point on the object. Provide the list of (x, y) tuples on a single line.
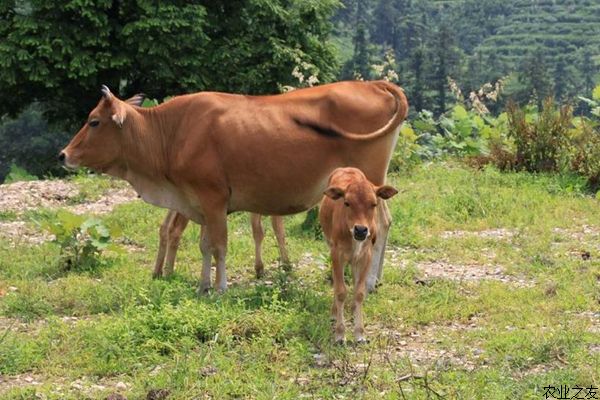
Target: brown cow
[(208, 154), (175, 223), (348, 216)]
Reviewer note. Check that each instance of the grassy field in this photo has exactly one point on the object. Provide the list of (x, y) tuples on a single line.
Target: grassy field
[(491, 290)]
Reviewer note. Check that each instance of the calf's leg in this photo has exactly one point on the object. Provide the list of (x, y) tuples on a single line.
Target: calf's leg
[(384, 220), (360, 292), (339, 295)]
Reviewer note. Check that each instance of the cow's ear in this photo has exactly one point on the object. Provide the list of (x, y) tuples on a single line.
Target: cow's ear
[(119, 113), (334, 193), (136, 100), (386, 192)]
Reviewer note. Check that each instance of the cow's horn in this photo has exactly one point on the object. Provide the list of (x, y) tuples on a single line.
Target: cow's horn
[(106, 92)]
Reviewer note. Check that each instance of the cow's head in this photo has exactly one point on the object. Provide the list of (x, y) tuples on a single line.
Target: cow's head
[(99, 143), (360, 199)]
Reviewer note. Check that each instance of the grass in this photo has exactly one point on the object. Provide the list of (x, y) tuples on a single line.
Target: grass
[(80, 334)]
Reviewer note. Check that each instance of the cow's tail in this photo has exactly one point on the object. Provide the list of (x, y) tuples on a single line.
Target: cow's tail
[(399, 116)]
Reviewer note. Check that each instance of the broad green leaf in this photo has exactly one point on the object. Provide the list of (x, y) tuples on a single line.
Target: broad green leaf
[(596, 93), (459, 112)]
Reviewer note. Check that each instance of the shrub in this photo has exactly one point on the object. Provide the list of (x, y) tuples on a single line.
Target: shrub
[(16, 174), (541, 138), (28, 142), (407, 152), (584, 156), (81, 240)]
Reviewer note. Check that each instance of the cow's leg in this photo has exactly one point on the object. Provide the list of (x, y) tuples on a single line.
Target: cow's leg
[(360, 292), (258, 235), (279, 229), (162, 245), (339, 295), (216, 224), (207, 254), (176, 228), (384, 220)]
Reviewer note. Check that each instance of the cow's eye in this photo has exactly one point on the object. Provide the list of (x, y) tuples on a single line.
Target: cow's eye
[(347, 204), (374, 205), (94, 123)]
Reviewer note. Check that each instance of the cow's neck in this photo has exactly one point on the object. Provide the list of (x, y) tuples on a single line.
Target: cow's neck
[(145, 163)]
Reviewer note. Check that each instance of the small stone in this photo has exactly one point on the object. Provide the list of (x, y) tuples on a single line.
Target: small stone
[(116, 396), (403, 343), (121, 386), (157, 394)]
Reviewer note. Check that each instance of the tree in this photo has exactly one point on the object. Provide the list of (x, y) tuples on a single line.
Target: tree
[(58, 53), (534, 76), (444, 63)]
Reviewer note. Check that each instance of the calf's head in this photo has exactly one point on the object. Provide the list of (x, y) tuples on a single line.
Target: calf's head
[(99, 143), (360, 199)]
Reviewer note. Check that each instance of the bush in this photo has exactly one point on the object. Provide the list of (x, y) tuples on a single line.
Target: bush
[(81, 240), (30, 144), (584, 156), (407, 153), (541, 138), (18, 174)]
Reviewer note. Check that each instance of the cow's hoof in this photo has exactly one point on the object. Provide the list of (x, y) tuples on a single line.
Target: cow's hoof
[(340, 342), (361, 341), (167, 274)]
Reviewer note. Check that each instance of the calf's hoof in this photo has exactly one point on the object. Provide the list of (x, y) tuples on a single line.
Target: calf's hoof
[(372, 285), (156, 275), (286, 266)]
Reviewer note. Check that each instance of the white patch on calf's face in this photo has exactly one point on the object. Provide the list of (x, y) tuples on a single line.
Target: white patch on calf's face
[(358, 246)]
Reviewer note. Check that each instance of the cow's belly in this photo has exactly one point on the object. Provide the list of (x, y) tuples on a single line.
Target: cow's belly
[(291, 177)]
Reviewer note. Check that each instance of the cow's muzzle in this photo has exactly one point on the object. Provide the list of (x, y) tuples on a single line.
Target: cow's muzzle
[(360, 232)]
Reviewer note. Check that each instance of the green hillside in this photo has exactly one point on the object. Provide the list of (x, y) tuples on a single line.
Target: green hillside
[(563, 29)]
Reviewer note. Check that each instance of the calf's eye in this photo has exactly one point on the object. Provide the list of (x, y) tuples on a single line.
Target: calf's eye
[(94, 123)]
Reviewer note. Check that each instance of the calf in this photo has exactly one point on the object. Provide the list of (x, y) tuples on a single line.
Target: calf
[(348, 216), (175, 223)]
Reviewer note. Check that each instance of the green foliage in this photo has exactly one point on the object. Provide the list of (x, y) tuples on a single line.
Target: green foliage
[(29, 143), (552, 47), (407, 153), (159, 49), (16, 174), (541, 138), (594, 102), (584, 156), (81, 240)]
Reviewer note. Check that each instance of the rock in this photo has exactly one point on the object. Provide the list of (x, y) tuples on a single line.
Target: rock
[(157, 394)]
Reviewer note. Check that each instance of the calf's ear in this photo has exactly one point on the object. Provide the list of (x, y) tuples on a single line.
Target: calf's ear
[(334, 193), (386, 192)]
